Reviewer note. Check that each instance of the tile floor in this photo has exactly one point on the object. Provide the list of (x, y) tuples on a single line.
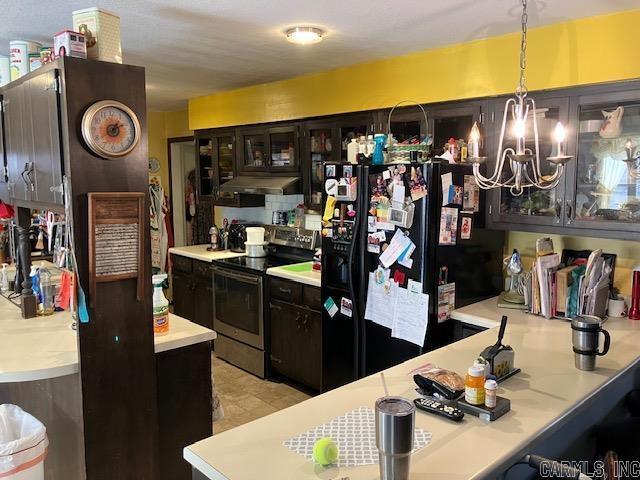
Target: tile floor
[(245, 397)]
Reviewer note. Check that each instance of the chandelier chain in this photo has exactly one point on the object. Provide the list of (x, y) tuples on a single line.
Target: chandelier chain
[(522, 89)]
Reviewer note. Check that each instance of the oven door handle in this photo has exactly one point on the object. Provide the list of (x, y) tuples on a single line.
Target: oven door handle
[(237, 276)]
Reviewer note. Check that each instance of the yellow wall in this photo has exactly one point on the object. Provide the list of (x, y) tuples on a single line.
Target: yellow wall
[(589, 50), (628, 252), (160, 127)]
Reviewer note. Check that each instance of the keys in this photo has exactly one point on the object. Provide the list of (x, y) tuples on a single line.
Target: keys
[(431, 405)]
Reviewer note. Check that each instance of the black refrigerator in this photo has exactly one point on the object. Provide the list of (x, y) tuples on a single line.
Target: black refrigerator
[(353, 346)]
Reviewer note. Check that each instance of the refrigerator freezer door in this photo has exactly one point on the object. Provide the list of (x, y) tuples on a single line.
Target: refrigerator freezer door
[(340, 336), (379, 350)]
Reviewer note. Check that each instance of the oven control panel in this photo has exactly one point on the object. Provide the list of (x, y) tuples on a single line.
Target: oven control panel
[(293, 237)]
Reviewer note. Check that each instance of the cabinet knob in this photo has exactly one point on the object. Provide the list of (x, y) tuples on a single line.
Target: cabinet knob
[(558, 210), (285, 290)]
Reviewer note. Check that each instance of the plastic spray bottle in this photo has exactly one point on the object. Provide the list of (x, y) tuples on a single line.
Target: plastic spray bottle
[(160, 306), (4, 279)]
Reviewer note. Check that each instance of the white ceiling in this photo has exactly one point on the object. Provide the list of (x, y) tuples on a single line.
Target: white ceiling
[(195, 47)]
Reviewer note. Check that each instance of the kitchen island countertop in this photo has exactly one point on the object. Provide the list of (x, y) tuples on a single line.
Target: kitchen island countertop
[(200, 252), (46, 347), (306, 276), (548, 394)]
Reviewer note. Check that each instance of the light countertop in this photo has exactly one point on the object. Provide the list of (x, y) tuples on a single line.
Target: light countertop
[(46, 347), (309, 277), (543, 398), (199, 252), (53, 269)]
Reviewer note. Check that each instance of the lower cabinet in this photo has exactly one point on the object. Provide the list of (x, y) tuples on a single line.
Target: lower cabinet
[(203, 303), (296, 340), (193, 290), (183, 289)]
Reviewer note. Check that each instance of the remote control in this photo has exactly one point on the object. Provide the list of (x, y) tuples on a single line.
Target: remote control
[(431, 405)]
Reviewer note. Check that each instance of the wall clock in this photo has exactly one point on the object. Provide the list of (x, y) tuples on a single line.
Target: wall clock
[(154, 165), (110, 129)]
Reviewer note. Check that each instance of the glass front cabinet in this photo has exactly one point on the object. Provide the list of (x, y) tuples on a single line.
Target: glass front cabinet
[(534, 206), (606, 176), (216, 156), (599, 194), (267, 150), (327, 141)]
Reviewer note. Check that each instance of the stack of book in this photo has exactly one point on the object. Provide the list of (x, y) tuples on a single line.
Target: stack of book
[(556, 290)]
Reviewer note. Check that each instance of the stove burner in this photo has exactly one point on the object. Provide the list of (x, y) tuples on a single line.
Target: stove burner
[(259, 264)]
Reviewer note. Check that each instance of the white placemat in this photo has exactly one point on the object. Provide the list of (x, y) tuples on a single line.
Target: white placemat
[(355, 435)]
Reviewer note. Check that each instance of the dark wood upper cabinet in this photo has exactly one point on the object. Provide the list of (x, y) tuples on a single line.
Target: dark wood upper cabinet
[(319, 144), (534, 206), (268, 150), (406, 122), (603, 186), (217, 164), (604, 208), (33, 139)]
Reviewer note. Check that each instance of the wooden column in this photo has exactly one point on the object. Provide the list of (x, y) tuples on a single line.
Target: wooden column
[(116, 347)]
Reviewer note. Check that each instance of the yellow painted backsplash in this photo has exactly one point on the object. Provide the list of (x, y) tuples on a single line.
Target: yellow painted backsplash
[(577, 52), (628, 252)]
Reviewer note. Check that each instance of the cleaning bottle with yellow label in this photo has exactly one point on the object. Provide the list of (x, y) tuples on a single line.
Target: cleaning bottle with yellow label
[(160, 306)]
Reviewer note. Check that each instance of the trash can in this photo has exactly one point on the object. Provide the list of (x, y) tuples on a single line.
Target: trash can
[(23, 445)]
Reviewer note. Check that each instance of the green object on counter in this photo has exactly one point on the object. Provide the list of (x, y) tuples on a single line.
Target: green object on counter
[(325, 451), (299, 267)]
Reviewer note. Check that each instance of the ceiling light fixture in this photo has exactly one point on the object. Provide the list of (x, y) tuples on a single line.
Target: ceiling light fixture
[(304, 35), (524, 163)]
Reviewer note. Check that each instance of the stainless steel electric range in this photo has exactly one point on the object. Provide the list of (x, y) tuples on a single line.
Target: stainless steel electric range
[(240, 297)]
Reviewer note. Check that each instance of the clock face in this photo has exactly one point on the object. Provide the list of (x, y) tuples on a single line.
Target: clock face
[(110, 129)]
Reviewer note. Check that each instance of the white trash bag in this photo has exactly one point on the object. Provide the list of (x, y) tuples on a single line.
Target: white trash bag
[(23, 444)]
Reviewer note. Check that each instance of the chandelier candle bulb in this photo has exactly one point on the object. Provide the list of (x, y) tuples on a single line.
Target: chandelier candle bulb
[(559, 135), (474, 141)]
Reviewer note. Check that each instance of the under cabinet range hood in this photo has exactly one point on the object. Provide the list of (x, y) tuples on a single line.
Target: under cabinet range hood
[(262, 185)]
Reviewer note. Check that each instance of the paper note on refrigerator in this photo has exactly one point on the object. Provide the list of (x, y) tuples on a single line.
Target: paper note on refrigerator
[(381, 301), (399, 243), (447, 182), (411, 316), (471, 202)]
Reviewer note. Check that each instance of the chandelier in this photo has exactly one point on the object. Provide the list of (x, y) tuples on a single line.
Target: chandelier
[(524, 165)]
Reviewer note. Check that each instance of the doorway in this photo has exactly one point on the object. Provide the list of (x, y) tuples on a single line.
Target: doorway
[(182, 172)]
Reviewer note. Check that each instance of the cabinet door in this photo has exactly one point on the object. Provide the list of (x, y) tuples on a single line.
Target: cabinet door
[(183, 296), (253, 150), (310, 350), (406, 123), (17, 141), (224, 167), (533, 206), (203, 302), (319, 145), (453, 121), (205, 167), (353, 126), (605, 190), (285, 319), (4, 194), (43, 99), (283, 149)]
